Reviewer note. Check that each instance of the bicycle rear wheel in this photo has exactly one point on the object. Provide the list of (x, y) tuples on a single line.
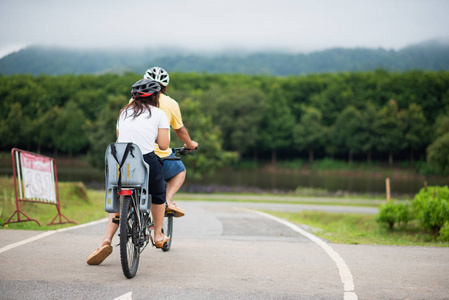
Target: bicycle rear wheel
[(167, 230), (129, 238)]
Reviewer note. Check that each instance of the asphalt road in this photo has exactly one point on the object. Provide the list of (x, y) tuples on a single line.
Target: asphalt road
[(221, 251)]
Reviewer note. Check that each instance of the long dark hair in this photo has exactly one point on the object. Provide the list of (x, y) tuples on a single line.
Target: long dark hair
[(141, 104)]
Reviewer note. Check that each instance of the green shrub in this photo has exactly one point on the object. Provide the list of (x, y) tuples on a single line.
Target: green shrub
[(391, 213), (444, 233), (425, 168), (431, 207)]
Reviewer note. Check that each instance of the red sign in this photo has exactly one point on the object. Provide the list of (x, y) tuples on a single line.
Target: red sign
[(38, 177)]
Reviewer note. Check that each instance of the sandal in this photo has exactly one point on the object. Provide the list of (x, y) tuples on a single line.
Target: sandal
[(161, 243), (99, 255), (175, 210)]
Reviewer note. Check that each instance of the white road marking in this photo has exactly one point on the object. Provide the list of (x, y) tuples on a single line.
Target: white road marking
[(127, 296), (345, 273), (47, 233), (32, 239)]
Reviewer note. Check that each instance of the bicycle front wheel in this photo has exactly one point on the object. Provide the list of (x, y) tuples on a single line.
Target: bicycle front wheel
[(167, 230), (129, 238)]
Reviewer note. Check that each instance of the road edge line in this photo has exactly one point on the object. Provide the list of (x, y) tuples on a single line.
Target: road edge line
[(345, 273), (47, 233)]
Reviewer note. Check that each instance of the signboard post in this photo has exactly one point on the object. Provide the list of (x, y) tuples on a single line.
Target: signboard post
[(35, 180)]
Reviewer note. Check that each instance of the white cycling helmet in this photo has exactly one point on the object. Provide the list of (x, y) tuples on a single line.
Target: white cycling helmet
[(157, 74)]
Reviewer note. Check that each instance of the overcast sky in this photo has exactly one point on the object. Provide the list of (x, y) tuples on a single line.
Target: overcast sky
[(286, 25)]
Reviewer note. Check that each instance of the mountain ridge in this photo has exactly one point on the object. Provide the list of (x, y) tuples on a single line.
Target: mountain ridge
[(429, 55)]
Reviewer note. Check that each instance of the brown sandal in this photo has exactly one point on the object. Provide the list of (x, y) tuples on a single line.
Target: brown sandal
[(175, 210), (161, 243), (99, 255)]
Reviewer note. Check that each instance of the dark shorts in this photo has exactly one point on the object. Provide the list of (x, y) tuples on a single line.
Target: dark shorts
[(172, 168), (156, 182)]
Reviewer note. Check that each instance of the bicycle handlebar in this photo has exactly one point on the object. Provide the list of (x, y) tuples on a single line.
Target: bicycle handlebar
[(180, 151), (184, 150)]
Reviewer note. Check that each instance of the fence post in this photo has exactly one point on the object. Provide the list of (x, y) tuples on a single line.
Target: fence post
[(387, 184)]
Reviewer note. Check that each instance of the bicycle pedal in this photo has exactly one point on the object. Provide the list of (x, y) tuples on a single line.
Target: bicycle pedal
[(116, 220)]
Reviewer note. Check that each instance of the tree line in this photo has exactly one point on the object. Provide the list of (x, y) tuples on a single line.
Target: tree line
[(375, 115)]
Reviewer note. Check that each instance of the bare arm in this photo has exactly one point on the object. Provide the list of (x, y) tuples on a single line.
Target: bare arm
[(183, 135), (163, 138)]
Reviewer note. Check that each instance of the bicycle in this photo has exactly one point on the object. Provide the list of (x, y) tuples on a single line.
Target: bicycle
[(167, 225), (135, 223)]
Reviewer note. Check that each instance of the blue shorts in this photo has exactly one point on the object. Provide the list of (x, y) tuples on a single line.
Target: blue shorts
[(172, 168)]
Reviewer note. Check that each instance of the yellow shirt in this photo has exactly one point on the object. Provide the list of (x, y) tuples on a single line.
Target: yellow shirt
[(173, 113), (171, 109)]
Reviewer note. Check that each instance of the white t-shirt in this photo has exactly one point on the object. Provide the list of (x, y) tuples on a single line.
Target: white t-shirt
[(142, 130)]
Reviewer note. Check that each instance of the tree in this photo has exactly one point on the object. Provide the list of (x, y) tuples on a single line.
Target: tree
[(69, 136), (210, 155), (438, 154), (101, 132), (310, 132), (438, 151), (239, 113), (390, 128), (46, 128), (277, 126), (331, 144), (348, 130), (416, 129), (90, 101), (369, 137), (12, 129)]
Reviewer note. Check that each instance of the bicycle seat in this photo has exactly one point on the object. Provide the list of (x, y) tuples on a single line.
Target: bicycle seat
[(125, 168)]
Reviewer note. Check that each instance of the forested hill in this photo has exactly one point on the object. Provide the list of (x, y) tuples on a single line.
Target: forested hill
[(56, 61)]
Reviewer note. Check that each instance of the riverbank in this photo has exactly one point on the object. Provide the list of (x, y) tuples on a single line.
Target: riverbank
[(323, 178)]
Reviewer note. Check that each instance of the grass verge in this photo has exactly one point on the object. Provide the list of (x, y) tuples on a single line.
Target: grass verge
[(356, 229), (284, 199), (77, 203)]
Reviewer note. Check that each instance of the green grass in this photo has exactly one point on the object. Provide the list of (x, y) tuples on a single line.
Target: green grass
[(77, 204), (360, 229), (284, 199)]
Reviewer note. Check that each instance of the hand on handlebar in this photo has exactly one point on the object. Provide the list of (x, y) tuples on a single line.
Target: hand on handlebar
[(191, 146)]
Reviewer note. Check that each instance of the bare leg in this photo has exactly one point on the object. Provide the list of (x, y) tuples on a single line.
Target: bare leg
[(105, 249), (158, 212), (111, 229), (174, 184)]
